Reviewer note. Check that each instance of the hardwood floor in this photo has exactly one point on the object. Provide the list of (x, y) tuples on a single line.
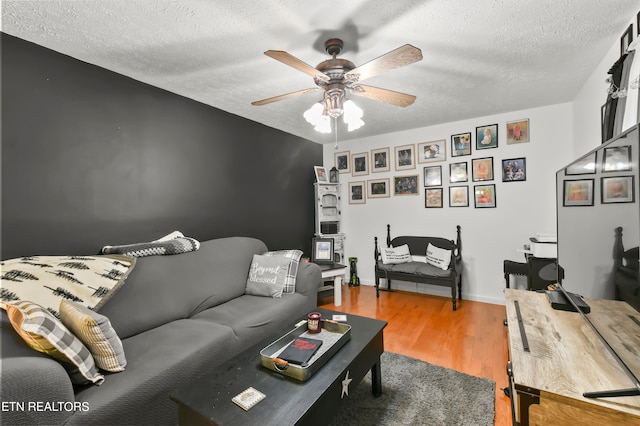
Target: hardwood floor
[(472, 339)]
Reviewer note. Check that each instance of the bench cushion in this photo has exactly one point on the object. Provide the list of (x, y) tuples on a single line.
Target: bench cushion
[(416, 268)]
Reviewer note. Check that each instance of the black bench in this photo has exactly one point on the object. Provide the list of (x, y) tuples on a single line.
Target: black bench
[(422, 272)]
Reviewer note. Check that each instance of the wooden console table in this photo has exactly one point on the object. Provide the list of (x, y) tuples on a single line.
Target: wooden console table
[(566, 358)]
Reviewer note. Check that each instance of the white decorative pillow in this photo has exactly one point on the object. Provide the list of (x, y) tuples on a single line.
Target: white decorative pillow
[(45, 333), (267, 275), (421, 259), (393, 255), (294, 260), (95, 331), (438, 257)]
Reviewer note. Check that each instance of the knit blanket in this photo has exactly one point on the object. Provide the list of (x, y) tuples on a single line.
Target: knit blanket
[(155, 248)]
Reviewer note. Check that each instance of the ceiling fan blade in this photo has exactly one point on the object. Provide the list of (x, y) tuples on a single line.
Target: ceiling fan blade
[(383, 95), (292, 61), (285, 96), (397, 58)]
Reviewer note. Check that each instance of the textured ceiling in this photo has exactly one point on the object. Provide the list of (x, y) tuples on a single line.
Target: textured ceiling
[(481, 57)]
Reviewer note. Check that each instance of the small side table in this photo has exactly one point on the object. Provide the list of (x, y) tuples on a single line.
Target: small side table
[(335, 271)]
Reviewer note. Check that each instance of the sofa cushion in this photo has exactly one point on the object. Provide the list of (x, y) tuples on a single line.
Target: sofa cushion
[(395, 255), (416, 268), (95, 331), (294, 261), (438, 257), (45, 333), (46, 280), (165, 288)]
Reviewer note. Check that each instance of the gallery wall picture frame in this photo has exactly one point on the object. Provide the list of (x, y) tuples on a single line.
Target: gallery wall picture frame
[(381, 162), (484, 196), (482, 169), (617, 159), (342, 161), (583, 166), (487, 136), (461, 144), (514, 169), (518, 131), (626, 39), (617, 189), (577, 193), (458, 172), (406, 185), (378, 188), (433, 198), (357, 192), (432, 152), (322, 250), (459, 196), (432, 176), (405, 157), (360, 164), (321, 174)]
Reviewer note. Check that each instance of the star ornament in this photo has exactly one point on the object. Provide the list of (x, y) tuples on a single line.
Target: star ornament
[(345, 385)]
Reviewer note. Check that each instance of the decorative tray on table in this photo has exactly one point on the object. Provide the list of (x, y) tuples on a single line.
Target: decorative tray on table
[(333, 336)]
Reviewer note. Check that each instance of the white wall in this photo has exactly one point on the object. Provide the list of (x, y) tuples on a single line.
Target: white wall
[(488, 235)]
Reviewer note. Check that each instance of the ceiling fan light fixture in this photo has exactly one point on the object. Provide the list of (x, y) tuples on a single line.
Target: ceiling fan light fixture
[(352, 116), (315, 116), (333, 102)]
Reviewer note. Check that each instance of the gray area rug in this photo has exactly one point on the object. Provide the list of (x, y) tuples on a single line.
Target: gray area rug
[(417, 393)]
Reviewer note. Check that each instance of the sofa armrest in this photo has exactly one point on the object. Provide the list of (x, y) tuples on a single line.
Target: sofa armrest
[(309, 279)]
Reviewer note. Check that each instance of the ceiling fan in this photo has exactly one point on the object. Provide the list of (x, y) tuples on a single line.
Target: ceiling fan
[(338, 76)]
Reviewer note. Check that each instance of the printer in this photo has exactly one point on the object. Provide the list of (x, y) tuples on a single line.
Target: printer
[(544, 245)]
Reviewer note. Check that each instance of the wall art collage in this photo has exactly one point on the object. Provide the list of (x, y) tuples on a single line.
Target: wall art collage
[(405, 160)]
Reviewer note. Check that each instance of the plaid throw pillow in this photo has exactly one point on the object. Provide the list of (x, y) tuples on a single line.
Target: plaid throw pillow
[(45, 333), (294, 257)]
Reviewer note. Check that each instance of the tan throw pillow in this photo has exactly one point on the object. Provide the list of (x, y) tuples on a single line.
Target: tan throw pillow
[(45, 333), (95, 331)]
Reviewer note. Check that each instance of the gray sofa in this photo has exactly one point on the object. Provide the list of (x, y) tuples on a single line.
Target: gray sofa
[(178, 316)]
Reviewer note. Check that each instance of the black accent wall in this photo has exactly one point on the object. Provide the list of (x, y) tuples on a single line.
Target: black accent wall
[(91, 157)]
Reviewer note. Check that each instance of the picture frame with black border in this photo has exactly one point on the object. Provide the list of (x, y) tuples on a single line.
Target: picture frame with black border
[(518, 131), (482, 169), (405, 157), (322, 250), (617, 189), (357, 192), (461, 144), (582, 166), (459, 196), (433, 198), (514, 169), (577, 193), (432, 175), (626, 39), (617, 159), (458, 172), (378, 188), (380, 160), (342, 161), (484, 196), (406, 185), (360, 164), (321, 174), (487, 136), (432, 152)]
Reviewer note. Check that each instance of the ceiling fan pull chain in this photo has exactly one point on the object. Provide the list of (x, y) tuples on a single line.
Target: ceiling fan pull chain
[(335, 126)]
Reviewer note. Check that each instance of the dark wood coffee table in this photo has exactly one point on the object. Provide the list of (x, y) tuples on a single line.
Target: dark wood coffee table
[(207, 400)]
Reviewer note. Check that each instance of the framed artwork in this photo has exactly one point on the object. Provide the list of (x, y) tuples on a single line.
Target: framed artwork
[(357, 192), (514, 170), (322, 250), (380, 159), (482, 169), (433, 176), (517, 131), (360, 164), (341, 161), (461, 144), (458, 172), (431, 152), (626, 39), (458, 196), (578, 193), (433, 198), (619, 189), (405, 157), (485, 196), (378, 188), (487, 136), (321, 174), (583, 166), (616, 159), (405, 185)]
